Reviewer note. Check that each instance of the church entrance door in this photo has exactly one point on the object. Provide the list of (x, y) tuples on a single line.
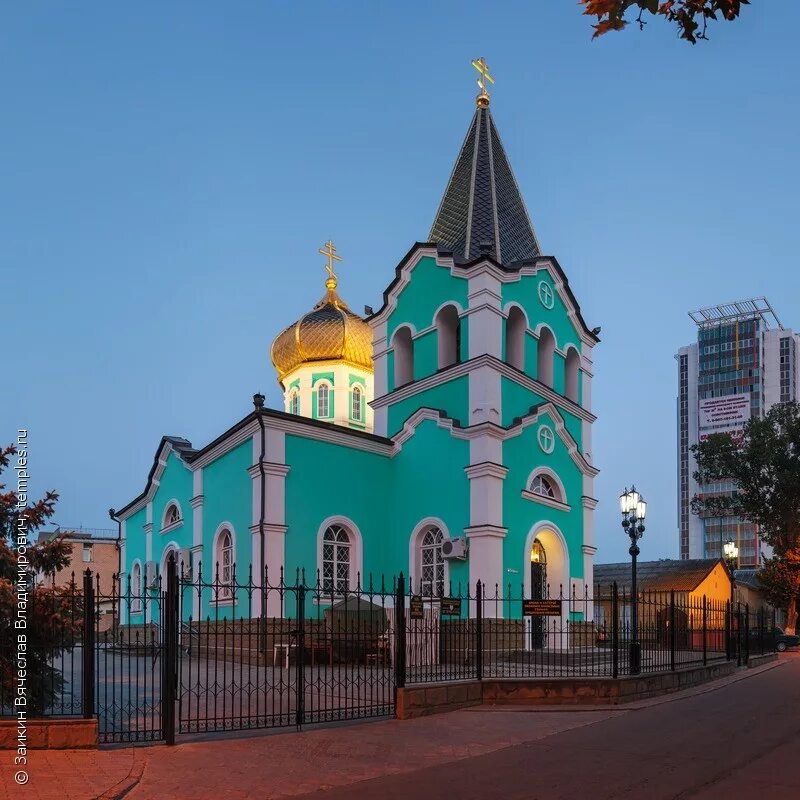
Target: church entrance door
[(539, 591)]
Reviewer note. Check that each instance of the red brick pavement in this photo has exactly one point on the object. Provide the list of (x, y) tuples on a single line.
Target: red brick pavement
[(286, 764)]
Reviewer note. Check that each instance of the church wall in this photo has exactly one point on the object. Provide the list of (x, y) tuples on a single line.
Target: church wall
[(429, 481), (451, 397), (521, 455), (175, 484), (135, 550), (525, 292), (327, 480), (227, 498), (517, 401), (430, 286)]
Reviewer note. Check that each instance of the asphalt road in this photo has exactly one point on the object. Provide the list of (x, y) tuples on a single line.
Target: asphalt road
[(738, 741)]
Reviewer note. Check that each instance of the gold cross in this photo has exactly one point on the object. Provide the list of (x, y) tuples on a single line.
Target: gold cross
[(329, 250), (483, 68)]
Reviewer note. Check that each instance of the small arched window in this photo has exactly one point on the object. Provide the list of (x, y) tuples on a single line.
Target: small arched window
[(357, 403), (136, 588), (431, 563), (448, 331), (172, 515), (403, 356), (225, 561), (294, 402), (543, 486), (323, 400), (516, 325), (546, 354), (572, 365), (336, 559)]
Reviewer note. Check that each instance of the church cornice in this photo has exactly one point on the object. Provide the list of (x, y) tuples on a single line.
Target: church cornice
[(243, 430), (484, 264), (494, 430), (465, 367)]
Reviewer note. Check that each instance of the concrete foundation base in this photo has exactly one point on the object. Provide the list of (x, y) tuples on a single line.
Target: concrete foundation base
[(421, 700), (49, 734)]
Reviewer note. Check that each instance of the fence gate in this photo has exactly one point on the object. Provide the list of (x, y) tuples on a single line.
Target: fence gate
[(129, 664), (263, 656)]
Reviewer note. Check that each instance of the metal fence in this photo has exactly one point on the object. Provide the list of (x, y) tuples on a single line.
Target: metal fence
[(193, 653)]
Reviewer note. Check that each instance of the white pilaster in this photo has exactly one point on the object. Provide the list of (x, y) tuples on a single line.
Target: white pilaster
[(148, 549), (486, 532), (272, 471), (485, 398), (485, 316), (586, 402), (123, 583)]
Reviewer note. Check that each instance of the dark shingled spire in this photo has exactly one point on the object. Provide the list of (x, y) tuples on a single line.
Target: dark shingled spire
[(482, 210)]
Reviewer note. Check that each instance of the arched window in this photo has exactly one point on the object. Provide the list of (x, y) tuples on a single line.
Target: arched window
[(172, 515), (336, 559), (431, 563), (294, 402), (323, 400), (448, 331), (403, 356), (547, 350), (224, 564), (357, 403), (543, 486), (571, 372), (516, 325), (136, 588)]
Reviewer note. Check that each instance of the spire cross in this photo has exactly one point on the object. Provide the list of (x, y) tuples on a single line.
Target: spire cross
[(483, 69), (329, 250)]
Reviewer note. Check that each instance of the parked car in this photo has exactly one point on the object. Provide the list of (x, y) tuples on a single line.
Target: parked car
[(783, 640)]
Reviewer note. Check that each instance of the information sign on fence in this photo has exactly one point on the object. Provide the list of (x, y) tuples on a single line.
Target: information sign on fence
[(541, 608), (451, 606), (416, 608)]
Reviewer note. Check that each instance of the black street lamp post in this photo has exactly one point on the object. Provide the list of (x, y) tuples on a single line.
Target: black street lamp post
[(731, 553), (634, 510)]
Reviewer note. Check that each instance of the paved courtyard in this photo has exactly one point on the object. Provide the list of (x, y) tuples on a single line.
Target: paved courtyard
[(737, 737)]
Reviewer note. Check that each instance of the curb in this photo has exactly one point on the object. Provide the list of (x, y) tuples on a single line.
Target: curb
[(119, 790)]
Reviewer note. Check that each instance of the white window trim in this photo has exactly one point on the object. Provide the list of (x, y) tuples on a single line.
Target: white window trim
[(552, 439), (317, 386), (356, 553), (136, 606), (162, 564), (175, 525), (414, 551), (552, 294), (360, 388), (223, 526), (546, 472)]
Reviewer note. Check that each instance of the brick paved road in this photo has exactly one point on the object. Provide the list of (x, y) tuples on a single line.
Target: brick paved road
[(740, 741), (737, 738)]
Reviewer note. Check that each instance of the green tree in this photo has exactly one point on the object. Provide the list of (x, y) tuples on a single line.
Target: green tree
[(765, 464), (53, 614), (691, 17)]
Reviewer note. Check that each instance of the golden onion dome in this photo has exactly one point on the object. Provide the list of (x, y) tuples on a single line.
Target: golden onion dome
[(329, 332)]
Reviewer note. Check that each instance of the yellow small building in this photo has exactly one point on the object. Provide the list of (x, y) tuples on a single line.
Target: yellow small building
[(689, 595)]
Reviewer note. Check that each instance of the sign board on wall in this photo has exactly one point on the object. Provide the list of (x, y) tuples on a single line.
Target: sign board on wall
[(541, 608), (725, 412)]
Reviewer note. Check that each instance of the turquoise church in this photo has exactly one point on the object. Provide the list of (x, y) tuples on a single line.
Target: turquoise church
[(447, 435)]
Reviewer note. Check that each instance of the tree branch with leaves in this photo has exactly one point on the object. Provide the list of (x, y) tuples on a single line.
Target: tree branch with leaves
[(765, 465), (53, 613), (691, 17)]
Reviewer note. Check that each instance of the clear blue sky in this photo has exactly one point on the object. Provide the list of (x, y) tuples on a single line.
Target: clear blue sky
[(168, 171)]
